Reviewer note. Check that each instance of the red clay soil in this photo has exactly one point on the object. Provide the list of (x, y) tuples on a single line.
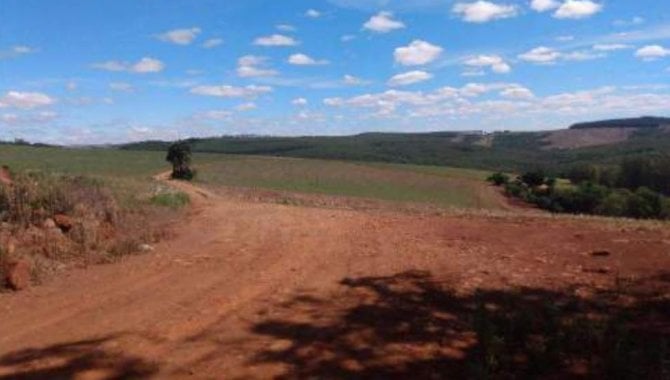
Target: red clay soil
[(260, 290)]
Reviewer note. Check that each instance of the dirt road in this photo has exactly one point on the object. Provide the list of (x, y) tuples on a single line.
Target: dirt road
[(260, 290)]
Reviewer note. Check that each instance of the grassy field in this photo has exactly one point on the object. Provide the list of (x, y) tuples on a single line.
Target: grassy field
[(128, 175), (131, 171), (403, 183)]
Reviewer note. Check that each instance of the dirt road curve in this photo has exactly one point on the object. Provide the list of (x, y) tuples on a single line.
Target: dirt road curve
[(259, 290)]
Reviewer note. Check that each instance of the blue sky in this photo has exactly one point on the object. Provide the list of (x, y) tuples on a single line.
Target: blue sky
[(93, 71)]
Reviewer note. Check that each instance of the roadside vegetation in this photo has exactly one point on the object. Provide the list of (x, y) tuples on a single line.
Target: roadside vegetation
[(638, 188), (172, 199), (67, 207)]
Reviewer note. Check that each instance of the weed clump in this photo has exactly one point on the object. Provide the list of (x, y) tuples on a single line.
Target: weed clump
[(173, 200), (51, 220)]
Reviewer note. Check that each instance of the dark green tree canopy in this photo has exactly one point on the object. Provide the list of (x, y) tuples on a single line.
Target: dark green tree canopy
[(179, 154)]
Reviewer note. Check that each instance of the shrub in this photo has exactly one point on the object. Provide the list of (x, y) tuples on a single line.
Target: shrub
[(615, 203), (652, 172), (546, 203), (498, 178), (589, 196), (582, 173), (665, 211), (645, 204), (551, 182), (173, 200), (533, 178), (515, 189)]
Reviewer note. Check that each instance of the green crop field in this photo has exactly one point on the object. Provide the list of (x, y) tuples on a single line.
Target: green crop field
[(403, 183), (128, 175), (131, 172)]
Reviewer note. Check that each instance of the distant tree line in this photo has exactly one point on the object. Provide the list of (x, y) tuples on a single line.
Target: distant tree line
[(652, 172), (641, 122), (637, 188)]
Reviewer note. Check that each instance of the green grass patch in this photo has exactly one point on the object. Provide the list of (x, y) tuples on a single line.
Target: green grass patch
[(173, 200)]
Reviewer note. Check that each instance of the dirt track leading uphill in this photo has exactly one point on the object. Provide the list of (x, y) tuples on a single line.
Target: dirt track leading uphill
[(259, 290)]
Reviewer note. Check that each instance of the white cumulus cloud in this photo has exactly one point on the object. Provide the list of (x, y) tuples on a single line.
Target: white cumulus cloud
[(610, 47), (312, 13), (517, 92), (16, 51), (285, 27), (544, 5), (250, 66), (299, 102), (652, 52), (417, 53), (180, 36), (212, 43), (353, 80), (25, 100), (541, 55), (143, 66), (496, 63), (484, 11), (275, 40), (577, 9), (147, 65), (383, 22), (305, 60), (244, 107), (227, 91), (408, 78)]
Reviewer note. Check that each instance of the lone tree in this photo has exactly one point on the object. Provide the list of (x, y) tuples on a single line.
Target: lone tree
[(179, 154)]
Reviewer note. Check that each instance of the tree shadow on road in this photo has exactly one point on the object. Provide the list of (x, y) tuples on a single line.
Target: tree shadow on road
[(74, 359), (413, 326)]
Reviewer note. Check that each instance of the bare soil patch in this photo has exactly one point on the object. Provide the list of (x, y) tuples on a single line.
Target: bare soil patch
[(251, 289), (582, 138)]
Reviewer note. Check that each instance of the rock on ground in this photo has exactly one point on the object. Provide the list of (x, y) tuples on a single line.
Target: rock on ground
[(18, 275)]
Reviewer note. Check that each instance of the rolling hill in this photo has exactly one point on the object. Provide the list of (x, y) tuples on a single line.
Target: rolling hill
[(606, 143)]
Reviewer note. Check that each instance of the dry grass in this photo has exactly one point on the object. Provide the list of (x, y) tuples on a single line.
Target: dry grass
[(56, 220)]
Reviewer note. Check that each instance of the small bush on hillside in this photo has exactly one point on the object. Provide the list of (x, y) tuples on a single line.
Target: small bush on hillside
[(665, 210), (533, 178), (515, 189), (582, 173), (645, 204), (498, 179), (588, 197), (615, 203)]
